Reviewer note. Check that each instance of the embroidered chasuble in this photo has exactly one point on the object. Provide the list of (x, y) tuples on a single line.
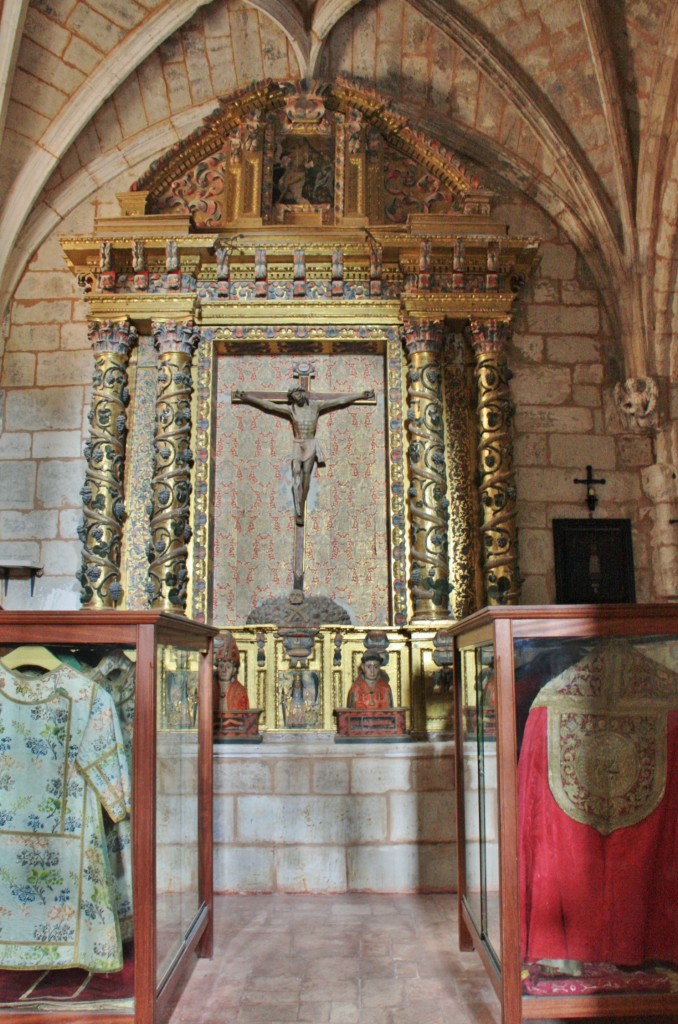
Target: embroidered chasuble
[(62, 762), (598, 812)]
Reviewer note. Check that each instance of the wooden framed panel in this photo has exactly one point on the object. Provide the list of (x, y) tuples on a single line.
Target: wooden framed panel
[(593, 561)]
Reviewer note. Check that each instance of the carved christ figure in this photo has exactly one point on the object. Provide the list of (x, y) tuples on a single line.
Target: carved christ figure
[(303, 412)]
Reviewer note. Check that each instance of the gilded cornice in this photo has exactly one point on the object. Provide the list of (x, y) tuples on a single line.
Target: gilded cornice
[(342, 96), (372, 313), (82, 251), (142, 308), (210, 136), (458, 306)]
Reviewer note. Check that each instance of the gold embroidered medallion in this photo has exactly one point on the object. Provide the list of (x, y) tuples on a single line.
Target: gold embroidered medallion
[(607, 771), (607, 735)]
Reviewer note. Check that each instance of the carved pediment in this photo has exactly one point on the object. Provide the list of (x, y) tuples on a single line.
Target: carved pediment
[(294, 153)]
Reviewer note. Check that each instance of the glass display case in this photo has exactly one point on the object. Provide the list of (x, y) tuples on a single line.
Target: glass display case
[(567, 762), (105, 813)]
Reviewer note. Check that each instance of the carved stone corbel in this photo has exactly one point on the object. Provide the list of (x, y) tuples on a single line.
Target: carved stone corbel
[(637, 400)]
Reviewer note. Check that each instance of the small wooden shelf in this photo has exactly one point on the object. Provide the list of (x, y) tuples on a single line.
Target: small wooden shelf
[(20, 567)]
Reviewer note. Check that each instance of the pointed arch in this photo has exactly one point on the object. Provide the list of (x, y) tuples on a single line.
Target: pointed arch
[(76, 114)]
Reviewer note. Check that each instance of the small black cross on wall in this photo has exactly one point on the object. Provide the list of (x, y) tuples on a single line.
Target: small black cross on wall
[(591, 496)]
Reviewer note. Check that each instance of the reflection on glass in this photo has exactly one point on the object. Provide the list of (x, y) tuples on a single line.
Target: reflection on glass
[(478, 710), (469, 712), (177, 895), (598, 734), (489, 804)]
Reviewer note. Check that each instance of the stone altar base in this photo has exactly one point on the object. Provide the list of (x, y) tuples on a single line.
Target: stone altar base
[(299, 813), (382, 725)]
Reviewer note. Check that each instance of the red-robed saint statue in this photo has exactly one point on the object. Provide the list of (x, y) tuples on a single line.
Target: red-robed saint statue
[(232, 694), (371, 688)]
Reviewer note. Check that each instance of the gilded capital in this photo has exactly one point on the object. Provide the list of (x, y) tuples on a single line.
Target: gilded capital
[(116, 336), (172, 336), (426, 336), (489, 335)]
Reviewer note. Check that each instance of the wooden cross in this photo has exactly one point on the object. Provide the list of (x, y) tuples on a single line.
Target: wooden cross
[(303, 374), (591, 496)]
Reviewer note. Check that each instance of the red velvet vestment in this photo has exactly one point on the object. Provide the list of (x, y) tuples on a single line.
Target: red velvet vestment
[(598, 894)]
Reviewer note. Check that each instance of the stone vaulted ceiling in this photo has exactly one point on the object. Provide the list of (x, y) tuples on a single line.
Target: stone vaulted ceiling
[(572, 102)]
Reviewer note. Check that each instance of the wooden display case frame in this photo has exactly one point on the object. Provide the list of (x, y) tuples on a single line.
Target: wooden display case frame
[(502, 626), (144, 631)]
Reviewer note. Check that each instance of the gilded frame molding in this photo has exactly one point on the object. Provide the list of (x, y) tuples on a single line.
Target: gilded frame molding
[(382, 337)]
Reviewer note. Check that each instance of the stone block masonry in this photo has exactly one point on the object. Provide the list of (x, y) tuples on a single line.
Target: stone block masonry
[(302, 813), (45, 374), (565, 417)]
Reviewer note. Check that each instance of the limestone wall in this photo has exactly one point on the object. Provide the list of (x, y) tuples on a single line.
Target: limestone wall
[(305, 814), (565, 363), (46, 373)]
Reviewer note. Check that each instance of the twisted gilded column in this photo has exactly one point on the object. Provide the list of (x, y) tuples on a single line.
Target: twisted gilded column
[(460, 430), (171, 487), (428, 504), (102, 493), (496, 488)]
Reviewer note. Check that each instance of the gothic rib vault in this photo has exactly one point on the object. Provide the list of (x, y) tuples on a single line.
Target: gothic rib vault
[(572, 102)]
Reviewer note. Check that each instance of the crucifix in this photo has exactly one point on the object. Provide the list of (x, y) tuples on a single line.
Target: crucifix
[(303, 410), (591, 496)]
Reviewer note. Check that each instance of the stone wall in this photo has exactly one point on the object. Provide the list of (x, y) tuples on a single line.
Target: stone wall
[(565, 364), (306, 814), (45, 375)]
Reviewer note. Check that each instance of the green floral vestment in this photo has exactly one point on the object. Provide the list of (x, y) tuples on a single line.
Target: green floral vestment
[(62, 760)]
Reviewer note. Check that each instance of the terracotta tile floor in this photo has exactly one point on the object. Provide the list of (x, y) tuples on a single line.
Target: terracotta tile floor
[(353, 959), (350, 959)]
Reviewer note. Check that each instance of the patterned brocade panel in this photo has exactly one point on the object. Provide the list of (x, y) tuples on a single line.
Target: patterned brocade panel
[(347, 531)]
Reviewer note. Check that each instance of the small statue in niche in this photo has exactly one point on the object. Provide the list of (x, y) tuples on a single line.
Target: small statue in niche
[(252, 125), (232, 693), (105, 257), (371, 688), (300, 690), (138, 256)]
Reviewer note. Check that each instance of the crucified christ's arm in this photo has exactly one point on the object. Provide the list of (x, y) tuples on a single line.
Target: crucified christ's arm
[(327, 404), (262, 403)]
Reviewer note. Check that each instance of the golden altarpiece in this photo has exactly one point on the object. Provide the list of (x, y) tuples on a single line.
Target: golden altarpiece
[(304, 233)]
